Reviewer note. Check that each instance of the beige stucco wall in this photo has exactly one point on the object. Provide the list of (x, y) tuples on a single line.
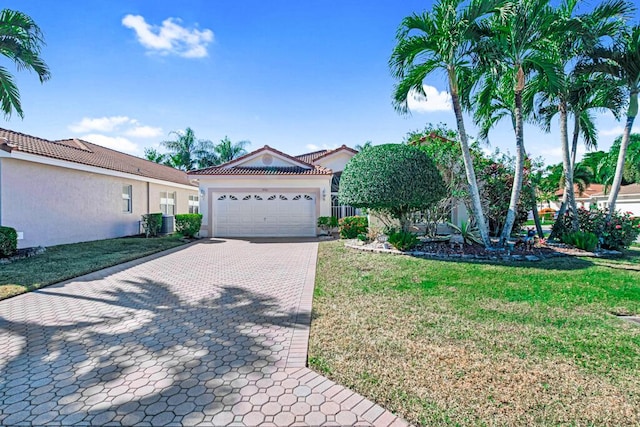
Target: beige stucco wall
[(53, 205), (262, 183), (335, 162)]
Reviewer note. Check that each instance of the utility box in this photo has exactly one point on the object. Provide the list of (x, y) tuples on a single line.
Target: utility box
[(168, 225)]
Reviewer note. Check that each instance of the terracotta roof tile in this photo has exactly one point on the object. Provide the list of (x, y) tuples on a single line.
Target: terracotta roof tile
[(86, 153), (310, 157), (229, 168), (625, 190), (266, 170)]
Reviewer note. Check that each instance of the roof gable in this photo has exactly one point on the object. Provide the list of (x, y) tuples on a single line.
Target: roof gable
[(264, 161), (266, 157)]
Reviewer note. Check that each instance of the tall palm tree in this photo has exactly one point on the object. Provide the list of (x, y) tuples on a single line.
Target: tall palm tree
[(441, 41), (495, 101), (516, 49), (186, 151), (360, 147), (572, 36), (21, 41), (621, 60), (227, 150)]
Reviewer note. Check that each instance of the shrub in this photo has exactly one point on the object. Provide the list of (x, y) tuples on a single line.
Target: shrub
[(151, 224), (327, 223), (188, 224), (402, 240), (468, 231), (617, 234), (351, 226), (582, 240), (8, 241), (391, 178)]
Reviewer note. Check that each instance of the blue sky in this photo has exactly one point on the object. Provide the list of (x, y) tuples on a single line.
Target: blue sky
[(297, 76)]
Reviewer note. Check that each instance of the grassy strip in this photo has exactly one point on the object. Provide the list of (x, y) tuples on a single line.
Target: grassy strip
[(454, 343), (64, 262)]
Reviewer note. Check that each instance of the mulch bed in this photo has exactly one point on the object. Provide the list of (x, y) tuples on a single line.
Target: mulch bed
[(432, 249)]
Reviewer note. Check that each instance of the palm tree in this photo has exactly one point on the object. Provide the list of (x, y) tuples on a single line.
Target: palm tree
[(227, 150), (21, 41), (441, 41), (186, 151), (516, 49), (621, 60), (154, 155), (572, 36), (360, 147)]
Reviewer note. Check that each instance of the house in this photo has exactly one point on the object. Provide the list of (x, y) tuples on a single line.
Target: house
[(272, 194), (583, 198), (67, 191), (628, 199), (596, 196)]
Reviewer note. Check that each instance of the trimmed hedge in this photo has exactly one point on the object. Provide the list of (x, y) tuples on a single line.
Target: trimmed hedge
[(151, 224), (8, 241), (188, 224), (392, 178)]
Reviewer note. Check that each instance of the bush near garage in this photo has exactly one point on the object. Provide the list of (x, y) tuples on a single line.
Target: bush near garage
[(188, 224)]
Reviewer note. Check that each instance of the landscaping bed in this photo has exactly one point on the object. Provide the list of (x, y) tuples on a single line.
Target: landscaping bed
[(450, 342), (443, 249), (31, 270)]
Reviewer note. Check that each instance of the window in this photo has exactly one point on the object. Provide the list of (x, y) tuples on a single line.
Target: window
[(168, 203), (194, 204), (126, 199)]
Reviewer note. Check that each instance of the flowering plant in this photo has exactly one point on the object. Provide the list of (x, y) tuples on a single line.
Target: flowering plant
[(617, 233)]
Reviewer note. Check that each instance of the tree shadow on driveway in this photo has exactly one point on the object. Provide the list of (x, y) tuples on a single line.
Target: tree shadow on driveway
[(140, 353)]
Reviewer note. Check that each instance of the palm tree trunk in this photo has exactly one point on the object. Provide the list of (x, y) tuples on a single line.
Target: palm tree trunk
[(517, 178), (468, 166), (617, 179), (574, 142), (569, 194)]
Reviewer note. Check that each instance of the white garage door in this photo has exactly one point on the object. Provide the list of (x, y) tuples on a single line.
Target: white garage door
[(241, 214)]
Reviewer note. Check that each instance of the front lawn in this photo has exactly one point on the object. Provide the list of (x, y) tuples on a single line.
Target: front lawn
[(454, 343), (63, 262)]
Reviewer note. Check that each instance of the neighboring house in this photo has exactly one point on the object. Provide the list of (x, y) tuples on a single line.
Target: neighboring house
[(269, 193), (67, 191), (583, 198), (628, 199), (596, 196)]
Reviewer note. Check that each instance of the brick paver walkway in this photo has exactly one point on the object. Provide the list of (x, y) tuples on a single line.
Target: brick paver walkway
[(214, 333)]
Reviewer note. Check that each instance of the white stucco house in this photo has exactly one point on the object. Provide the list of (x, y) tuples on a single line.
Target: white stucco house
[(596, 196), (268, 193), (67, 191)]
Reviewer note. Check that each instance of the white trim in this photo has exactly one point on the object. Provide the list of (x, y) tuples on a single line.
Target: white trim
[(19, 155), (328, 155)]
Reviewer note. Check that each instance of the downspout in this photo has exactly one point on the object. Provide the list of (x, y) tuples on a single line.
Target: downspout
[(148, 196)]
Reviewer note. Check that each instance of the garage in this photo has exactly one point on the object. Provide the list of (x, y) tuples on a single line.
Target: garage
[(264, 214)]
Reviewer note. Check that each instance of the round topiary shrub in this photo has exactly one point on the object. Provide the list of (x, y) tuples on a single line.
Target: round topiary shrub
[(392, 178)]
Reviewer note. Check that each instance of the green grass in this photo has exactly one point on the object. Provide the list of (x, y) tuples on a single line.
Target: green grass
[(63, 262), (454, 343)]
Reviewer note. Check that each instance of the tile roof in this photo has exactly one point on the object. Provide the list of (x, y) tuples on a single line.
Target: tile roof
[(625, 190), (86, 153), (589, 191), (266, 170), (229, 169), (312, 157)]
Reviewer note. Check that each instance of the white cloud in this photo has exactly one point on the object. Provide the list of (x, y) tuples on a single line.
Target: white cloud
[(100, 124), (170, 37), (144, 132), (118, 143), (617, 131), (314, 147), (433, 101)]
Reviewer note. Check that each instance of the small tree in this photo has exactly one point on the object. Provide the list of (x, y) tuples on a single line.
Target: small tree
[(391, 178)]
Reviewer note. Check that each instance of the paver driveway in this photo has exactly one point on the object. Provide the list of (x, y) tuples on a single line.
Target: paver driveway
[(212, 333)]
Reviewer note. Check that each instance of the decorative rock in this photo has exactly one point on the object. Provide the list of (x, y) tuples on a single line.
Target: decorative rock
[(532, 258)]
